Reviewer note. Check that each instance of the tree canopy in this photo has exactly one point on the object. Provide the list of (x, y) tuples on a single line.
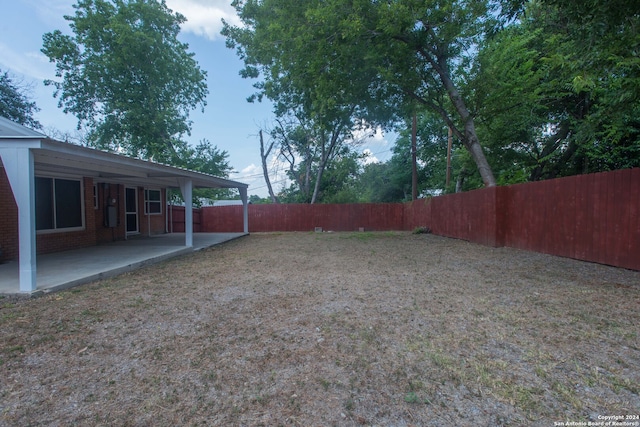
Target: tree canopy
[(376, 61), (558, 91), (15, 103), (126, 76), (532, 89)]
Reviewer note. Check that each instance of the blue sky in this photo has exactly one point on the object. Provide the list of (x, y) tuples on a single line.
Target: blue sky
[(229, 121)]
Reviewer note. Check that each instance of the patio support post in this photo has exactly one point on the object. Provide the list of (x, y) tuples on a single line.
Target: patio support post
[(245, 208), (186, 187), (18, 163)]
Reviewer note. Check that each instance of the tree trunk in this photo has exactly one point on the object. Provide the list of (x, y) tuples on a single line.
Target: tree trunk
[(324, 159), (474, 147), (470, 137), (321, 166), (265, 171)]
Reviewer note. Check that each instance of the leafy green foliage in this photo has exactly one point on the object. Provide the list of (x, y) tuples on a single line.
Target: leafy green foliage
[(385, 182), (126, 76), (551, 99), (333, 61), (206, 158), (14, 102)]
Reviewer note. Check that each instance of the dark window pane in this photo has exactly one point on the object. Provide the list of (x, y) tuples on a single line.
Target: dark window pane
[(44, 203), (152, 201), (68, 203), (132, 222), (154, 195), (130, 200), (154, 208)]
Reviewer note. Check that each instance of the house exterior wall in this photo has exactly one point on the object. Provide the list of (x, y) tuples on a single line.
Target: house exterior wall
[(154, 223), (95, 230), (8, 219), (109, 194)]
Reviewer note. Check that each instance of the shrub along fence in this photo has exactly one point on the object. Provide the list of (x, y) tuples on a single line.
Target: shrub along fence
[(593, 217)]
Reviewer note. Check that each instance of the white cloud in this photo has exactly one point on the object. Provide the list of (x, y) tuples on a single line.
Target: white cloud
[(370, 137), (251, 170), (378, 136), (31, 64), (370, 157), (253, 176), (204, 17)]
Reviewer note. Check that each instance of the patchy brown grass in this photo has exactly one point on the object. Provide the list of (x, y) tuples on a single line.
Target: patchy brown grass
[(327, 329)]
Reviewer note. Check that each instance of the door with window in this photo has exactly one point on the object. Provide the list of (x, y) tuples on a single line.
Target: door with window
[(131, 210)]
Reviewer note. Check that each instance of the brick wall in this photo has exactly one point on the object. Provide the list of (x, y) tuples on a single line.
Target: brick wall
[(95, 231), (8, 219)]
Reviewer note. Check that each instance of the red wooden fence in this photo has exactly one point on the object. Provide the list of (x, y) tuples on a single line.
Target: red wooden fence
[(592, 217), (176, 218)]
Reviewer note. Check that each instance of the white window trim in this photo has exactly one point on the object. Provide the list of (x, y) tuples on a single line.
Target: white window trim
[(82, 210), (96, 197), (146, 201)]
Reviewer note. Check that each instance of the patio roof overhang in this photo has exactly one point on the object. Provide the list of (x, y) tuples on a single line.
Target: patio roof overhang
[(62, 158), (26, 153)]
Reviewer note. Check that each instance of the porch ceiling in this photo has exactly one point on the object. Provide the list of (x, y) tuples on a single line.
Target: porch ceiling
[(59, 158)]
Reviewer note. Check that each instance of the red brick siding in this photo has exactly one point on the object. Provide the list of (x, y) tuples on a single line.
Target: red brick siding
[(95, 231), (8, 219)]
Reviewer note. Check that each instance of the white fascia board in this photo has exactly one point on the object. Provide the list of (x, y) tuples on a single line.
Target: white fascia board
[(20, 143), (145, 168)]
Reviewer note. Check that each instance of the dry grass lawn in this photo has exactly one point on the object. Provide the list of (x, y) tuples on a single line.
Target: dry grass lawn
[(344, 329)]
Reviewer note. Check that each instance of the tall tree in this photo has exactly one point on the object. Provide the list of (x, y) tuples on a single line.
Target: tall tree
[(378, 57), (315, 120), (15, 103), (552, 100), (309, 147), (205, 158), (264, 157), (125, 74), (602, 57)]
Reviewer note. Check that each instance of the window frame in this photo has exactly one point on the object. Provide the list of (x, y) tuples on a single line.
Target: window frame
[(96, 200), (148, 202), (55, 228)]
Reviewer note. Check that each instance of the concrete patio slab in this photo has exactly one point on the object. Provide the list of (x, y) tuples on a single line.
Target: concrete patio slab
[(67, 269)]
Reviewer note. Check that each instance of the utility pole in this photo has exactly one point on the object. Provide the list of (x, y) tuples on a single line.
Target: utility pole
[(414, 167), (449, 143)]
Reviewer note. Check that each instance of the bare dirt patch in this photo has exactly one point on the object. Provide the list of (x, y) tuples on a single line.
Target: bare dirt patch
[(310, 329)]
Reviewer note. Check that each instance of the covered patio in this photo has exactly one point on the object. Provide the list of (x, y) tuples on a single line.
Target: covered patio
[(67, 269), (68, 174)]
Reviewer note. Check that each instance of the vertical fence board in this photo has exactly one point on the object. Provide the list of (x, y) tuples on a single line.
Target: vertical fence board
[(610, 212), (632, 260), (619, 218), (583, 243), (561, 240)]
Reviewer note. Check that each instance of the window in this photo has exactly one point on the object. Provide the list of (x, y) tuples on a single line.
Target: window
[(58, 203), (95, 196), (152, 202)]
